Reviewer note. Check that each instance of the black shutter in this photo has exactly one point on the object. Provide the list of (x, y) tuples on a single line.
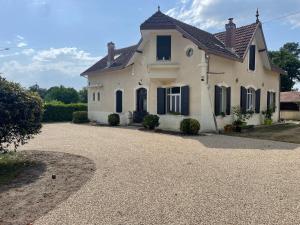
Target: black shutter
[(119, 101), (185, 100), (257, 101), (274, 103), (252, 57), (161, 101), (268, 100), (243, 101), (217, 100), (228, 100), (168, 99)]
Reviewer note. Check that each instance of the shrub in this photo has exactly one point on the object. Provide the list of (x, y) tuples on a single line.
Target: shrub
[(60, 112), (239, 118), (114, 119), (151, 121), (20, 114), (190, 126), (80, 117)]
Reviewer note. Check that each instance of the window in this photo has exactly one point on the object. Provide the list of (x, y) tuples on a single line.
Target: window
[(222, 100), (119, 101), (250, 103), (174, 100), (94, 96), (252, 57), (271, 101), (98, 96), (163, 48)]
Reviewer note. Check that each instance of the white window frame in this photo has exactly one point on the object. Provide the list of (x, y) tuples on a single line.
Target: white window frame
[(169, 110), (250, 100)]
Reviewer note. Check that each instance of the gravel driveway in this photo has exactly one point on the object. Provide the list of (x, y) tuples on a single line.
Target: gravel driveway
[(149, 178)]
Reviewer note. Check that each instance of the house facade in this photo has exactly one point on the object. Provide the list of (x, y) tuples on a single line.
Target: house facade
[(178, 71)]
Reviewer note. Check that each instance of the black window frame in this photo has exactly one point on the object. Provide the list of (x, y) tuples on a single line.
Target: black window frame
[(163, 47)]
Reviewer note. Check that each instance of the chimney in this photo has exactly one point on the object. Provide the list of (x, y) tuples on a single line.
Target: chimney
[(110, 53), (230, 34)]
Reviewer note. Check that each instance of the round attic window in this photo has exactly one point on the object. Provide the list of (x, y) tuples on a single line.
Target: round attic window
[(189, 52)]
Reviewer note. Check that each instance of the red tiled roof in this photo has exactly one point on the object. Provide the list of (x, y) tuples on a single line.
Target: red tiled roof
[(243, 36), (290, 96)]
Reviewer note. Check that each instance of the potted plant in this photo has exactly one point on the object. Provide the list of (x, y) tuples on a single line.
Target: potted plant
[(239, 118), (268, 116), (228, 128)]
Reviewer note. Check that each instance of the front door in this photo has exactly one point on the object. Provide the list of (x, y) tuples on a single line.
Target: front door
[(141, 105)]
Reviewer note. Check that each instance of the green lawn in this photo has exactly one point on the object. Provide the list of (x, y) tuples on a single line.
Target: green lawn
[(11, 164), (280, 132)]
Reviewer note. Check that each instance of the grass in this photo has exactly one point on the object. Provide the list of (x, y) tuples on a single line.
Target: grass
[(280, 132), (11, 165)]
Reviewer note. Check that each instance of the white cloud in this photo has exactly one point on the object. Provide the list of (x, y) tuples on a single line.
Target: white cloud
[(19, 37), (67, 61), (294, 21), (194, 12), (21, 44)]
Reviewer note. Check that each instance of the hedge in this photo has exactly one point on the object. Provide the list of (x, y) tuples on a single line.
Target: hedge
[(60, 112), (80, 117)]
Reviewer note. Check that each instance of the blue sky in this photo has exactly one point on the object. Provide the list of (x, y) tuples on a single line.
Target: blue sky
[(52, 41)]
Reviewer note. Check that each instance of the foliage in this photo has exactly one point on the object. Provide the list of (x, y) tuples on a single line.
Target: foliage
[(240, 118), (20, 114), (268, 113), (80, 117), (11, 164), (288, 59), (83, 95), (114, 119), (151, 121), (190, 126), (60, 112), (41, 91), (63, 94)]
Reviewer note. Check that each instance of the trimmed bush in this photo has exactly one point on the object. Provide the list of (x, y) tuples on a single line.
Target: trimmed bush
[(190, 126), (80, 117), (60, 112), (151, 121), (20, 115), (114, 119)]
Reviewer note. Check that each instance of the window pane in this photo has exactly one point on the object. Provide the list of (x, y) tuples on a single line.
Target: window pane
[(173, 103), (177, 104), (163, 50), (175, 90)]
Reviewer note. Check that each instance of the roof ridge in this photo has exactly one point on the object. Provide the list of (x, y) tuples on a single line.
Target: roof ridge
[(221, 32)]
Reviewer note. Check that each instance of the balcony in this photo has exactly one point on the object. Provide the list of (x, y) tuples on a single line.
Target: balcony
[(163, 71)]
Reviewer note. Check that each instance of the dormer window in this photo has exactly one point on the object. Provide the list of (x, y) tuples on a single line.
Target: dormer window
[(163, 47), (252, 57)]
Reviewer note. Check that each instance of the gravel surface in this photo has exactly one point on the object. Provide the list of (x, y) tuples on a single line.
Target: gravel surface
[(149, 178)]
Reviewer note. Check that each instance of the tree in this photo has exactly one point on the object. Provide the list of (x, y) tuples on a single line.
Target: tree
[(41, 91), (83, 95), (20, 115), (63, 94), (288, 59)]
